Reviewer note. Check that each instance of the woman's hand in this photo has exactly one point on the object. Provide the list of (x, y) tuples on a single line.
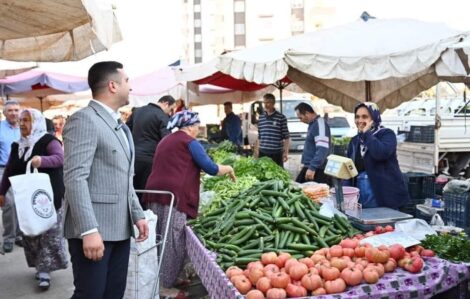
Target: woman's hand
[(36, 161), (2, 200), (368, 126), (226, 169)]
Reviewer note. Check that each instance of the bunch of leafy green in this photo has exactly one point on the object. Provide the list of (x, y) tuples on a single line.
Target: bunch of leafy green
[(227, 146), (453, 248), (264, 169), (224, 147), (341, 140)]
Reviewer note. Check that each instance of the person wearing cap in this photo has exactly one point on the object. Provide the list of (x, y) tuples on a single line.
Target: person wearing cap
[(374, 152), (181, 176)]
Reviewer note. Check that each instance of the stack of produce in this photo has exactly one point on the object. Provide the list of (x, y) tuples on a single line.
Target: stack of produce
[(327, 271), (247, 169), (269, 216), (446, 246), (317, 192)]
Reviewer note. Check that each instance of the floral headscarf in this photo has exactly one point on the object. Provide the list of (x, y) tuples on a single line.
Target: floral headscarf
[(38, 129), (183, 119)]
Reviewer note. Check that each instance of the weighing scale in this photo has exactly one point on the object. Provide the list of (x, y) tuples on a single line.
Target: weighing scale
[(342, 168)]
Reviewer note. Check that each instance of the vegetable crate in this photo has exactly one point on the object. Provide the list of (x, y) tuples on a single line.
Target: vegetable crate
[(457, 209), (421, 134), (420, 185), (340, 150)]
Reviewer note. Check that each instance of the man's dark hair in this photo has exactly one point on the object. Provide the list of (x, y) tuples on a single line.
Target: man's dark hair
[(101, 73), (167, 99), (303, 108), (228, 104), (269, 97)]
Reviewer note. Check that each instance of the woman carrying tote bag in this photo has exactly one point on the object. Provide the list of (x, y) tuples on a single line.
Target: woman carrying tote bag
[(45, 252)]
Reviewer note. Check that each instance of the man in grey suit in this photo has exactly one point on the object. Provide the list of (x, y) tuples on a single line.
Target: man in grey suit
[(101, 204)]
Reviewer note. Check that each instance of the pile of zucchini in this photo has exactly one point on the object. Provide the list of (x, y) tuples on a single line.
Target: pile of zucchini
[(268, 217)]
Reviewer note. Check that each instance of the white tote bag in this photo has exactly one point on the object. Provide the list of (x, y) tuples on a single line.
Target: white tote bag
[(34, 201)]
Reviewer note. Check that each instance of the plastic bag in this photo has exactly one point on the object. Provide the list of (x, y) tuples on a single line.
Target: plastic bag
[(457, 186), (416, 228), (205, 199), (437, 220)]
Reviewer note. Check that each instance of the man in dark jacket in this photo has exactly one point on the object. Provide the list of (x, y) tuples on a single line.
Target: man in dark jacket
[(231, 126), (317, 145), (148, 125)]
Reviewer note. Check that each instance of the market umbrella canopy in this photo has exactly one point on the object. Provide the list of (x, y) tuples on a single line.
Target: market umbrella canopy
[(55, 30), (385, 61), (10, 68), (39, 84)]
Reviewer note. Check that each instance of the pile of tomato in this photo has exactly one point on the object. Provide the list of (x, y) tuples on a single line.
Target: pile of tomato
[(327, 271)]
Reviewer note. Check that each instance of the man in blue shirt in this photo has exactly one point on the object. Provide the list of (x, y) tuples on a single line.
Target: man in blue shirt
[(231, 126), (9, 132), (317, 145)]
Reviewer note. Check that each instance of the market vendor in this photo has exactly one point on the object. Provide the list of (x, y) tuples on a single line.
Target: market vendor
[(317, 146), (373, 151), (177, 164)]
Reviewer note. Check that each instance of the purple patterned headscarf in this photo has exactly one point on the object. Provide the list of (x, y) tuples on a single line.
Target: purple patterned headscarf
[(183, 119)]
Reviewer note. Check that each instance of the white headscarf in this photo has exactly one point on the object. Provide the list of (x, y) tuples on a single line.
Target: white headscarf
[(38, 129)]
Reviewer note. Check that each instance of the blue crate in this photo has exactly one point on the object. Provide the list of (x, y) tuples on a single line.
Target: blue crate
[(420, 185), (457, 209)]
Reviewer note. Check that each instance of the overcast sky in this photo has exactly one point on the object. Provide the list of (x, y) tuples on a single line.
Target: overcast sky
[(152, 31)]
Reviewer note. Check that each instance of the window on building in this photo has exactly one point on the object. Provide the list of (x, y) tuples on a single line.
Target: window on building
[(239, 6), (239, 29), (297, 3), (240, 41)]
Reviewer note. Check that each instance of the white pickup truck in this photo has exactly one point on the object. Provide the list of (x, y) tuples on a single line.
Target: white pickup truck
[(450, 151)]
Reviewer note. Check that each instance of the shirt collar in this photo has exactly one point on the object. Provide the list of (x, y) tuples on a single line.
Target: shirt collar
[(108, 109)]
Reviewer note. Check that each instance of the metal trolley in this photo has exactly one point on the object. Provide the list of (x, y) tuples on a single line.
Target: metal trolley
[(159, 246)]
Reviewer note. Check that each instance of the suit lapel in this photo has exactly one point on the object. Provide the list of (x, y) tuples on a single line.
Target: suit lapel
[(111, 123)]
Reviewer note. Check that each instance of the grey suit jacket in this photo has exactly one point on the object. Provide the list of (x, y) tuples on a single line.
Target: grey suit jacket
[(98, 175)]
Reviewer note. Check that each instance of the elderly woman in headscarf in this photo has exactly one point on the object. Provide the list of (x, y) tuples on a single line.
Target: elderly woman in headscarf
[(45, 252), (177, 164), (373, 151)]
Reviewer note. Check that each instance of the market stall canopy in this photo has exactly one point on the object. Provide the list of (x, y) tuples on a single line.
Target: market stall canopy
[(10, 68), (31, 80), (56, 30), (262, 64), (32, 88), (207, 73), (207, 94), (155, 83), (384, 61)]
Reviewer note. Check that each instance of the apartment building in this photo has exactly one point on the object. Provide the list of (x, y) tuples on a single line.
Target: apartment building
[(211, 27)]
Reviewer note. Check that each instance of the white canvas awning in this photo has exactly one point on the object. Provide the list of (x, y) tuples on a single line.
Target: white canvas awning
[(56, 30)]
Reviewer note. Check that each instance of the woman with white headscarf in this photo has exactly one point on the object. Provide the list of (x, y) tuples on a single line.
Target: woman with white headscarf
[(45, 252), (177, 165)]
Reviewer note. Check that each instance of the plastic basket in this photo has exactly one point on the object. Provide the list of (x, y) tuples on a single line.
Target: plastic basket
[(340, 150), (420, 185), (457, 209), (421, 134)]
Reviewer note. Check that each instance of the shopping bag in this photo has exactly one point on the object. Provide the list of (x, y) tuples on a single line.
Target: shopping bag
[(34, 201)]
